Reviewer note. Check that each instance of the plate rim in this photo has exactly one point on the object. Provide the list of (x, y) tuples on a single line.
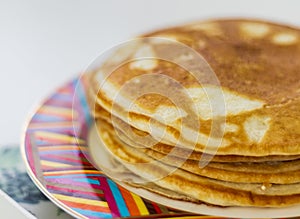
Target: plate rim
[(29, 171)]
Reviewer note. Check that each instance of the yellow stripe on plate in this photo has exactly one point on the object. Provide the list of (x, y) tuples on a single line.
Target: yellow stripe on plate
[(54, 164), (140, 204), (62, 147), (81, 200), (58, 111), (53, 124), (195, 217), (71, 172), (59, 137)]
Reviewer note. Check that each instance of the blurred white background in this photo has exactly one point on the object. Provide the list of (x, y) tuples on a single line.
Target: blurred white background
[(43, 44)]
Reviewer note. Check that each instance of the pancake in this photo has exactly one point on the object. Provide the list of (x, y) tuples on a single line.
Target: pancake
[(264, 172), (206, 112), (197, 187), (180, 152), (256, 65)]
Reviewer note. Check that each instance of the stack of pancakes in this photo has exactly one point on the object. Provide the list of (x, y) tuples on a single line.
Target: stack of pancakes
[(222, 128)]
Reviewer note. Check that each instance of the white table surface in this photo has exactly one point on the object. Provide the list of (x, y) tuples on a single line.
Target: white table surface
[(45, 43), (10, 209)]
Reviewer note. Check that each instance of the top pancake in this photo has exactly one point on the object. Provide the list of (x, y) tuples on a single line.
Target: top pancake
[(256, 64)]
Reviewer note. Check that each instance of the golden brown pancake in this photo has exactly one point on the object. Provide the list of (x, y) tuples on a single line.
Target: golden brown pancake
[(226, 89), (201, 188), (178, 151), (262, 172), (256, 64)]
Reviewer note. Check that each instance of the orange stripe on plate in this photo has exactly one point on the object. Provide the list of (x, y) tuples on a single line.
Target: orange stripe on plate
[(86, 206), (130, 203)]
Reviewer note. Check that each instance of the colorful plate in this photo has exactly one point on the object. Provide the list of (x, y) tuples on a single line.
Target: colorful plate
[(55, 152), (54, 149)]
